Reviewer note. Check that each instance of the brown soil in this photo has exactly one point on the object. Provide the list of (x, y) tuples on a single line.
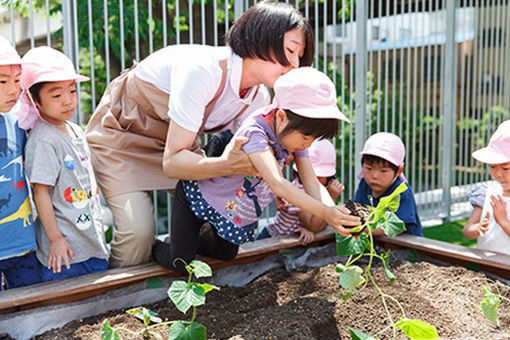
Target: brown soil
[(359, 210), (303, 305)]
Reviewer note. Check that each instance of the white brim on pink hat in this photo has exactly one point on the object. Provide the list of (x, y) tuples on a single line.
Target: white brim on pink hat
[(490, 156), (498, 150)]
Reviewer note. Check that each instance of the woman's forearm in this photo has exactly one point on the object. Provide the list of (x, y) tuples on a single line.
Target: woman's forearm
[(188, 165)]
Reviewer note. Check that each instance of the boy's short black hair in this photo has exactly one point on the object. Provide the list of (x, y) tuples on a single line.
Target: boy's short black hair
[(371, 159), (259, 33), (35, 89), (317, 128)]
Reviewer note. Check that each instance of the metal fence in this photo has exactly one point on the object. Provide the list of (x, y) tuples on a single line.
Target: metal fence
[(431, 71)]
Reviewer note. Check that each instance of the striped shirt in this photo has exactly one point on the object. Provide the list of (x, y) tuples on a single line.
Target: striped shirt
[(286, 222)]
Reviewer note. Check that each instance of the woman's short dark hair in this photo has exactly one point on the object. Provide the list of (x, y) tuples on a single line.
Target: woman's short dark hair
[(34, 91), (259, 33), (371, 159), (317, 128)]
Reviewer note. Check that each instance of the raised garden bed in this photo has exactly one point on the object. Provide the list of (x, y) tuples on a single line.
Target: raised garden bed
[(304, 304)]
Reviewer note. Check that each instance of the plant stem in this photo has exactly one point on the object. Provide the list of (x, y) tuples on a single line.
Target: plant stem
[(126, 330), (194, 313), (162, 324), (371, 248)]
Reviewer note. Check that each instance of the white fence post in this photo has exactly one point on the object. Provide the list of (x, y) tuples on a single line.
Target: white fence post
[(361, 80), (449, 109)]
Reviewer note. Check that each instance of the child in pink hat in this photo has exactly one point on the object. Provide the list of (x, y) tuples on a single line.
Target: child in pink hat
[(490, 220), (70, 230), (17, 243), (304, 109), (382, 164), (290, 220)]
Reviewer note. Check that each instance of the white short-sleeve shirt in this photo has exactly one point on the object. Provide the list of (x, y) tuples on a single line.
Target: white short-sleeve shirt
[(192, 75), (495, 239)]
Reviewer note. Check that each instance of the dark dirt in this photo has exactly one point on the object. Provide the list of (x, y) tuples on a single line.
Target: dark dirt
[(359, 210), (303, 305)]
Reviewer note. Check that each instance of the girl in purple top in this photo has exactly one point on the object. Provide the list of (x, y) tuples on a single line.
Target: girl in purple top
[(304, 109)]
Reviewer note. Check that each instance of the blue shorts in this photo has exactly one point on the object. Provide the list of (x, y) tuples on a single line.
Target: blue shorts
[(21, 271), (92, 265)]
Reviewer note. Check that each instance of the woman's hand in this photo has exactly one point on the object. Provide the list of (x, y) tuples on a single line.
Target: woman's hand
[(337, 217), (236, 159), (59, 250)]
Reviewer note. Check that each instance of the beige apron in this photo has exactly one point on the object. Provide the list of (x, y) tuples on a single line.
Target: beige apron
[(127, 134)]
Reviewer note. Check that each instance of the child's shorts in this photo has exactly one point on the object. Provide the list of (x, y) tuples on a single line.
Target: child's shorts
[(21, 271), (92, 265)]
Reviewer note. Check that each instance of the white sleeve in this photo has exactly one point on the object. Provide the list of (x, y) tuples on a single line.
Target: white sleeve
[(192, 88), (262, 99)]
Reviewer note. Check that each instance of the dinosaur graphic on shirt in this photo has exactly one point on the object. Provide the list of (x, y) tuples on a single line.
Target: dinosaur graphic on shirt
[(17, 160), (23, 212)]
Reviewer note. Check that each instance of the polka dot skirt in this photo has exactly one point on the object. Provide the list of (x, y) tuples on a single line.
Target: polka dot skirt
[(226, 229)]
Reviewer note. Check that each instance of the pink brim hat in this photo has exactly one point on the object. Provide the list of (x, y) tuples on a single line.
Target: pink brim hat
[(45, 64), (308, 93), (8, 54), (498, 150), (387, 146), (322, 155)]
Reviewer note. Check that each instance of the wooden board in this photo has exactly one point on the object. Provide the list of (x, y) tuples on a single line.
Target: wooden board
[(86, 286)]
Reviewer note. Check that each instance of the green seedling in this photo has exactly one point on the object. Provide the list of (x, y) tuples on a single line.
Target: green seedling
[(490, 304), (184, 295), (354, 279)]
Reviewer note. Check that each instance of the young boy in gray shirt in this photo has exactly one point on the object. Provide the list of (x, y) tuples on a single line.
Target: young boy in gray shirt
[(69, 228)]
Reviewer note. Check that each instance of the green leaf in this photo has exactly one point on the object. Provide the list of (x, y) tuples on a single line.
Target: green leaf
[(359, 335), (387, 270), (391, 224), (184, 297), (417, 329), (340, 268), (208, 287), (346, 246), (146, 317), (200, 269), (490, 304), (389, 202), (107, 332), (351, 278), (178, 331)]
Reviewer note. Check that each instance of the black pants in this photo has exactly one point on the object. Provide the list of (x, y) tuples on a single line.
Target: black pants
[(185, 238)]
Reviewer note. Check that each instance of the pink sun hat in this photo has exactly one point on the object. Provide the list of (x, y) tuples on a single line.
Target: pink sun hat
[(498, 150), (42, 64), (322, 155), (8, 54), (387, 146), (45, 64), (308, 93)]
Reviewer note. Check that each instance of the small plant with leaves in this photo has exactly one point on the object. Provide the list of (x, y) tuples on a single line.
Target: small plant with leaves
[(354, 279), (490, 304), (184, 295)]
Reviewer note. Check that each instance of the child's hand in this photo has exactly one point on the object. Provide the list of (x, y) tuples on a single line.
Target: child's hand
[(499, 209), (59, 250), (337, 217), (335, 188), (281, 204), (305, 236)]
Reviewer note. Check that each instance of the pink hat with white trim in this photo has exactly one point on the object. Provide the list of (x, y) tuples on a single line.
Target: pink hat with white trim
[(322, 155), (45, 64), (498, 150), (8, 54), (387, 146), (308, 93), (42, 64)]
